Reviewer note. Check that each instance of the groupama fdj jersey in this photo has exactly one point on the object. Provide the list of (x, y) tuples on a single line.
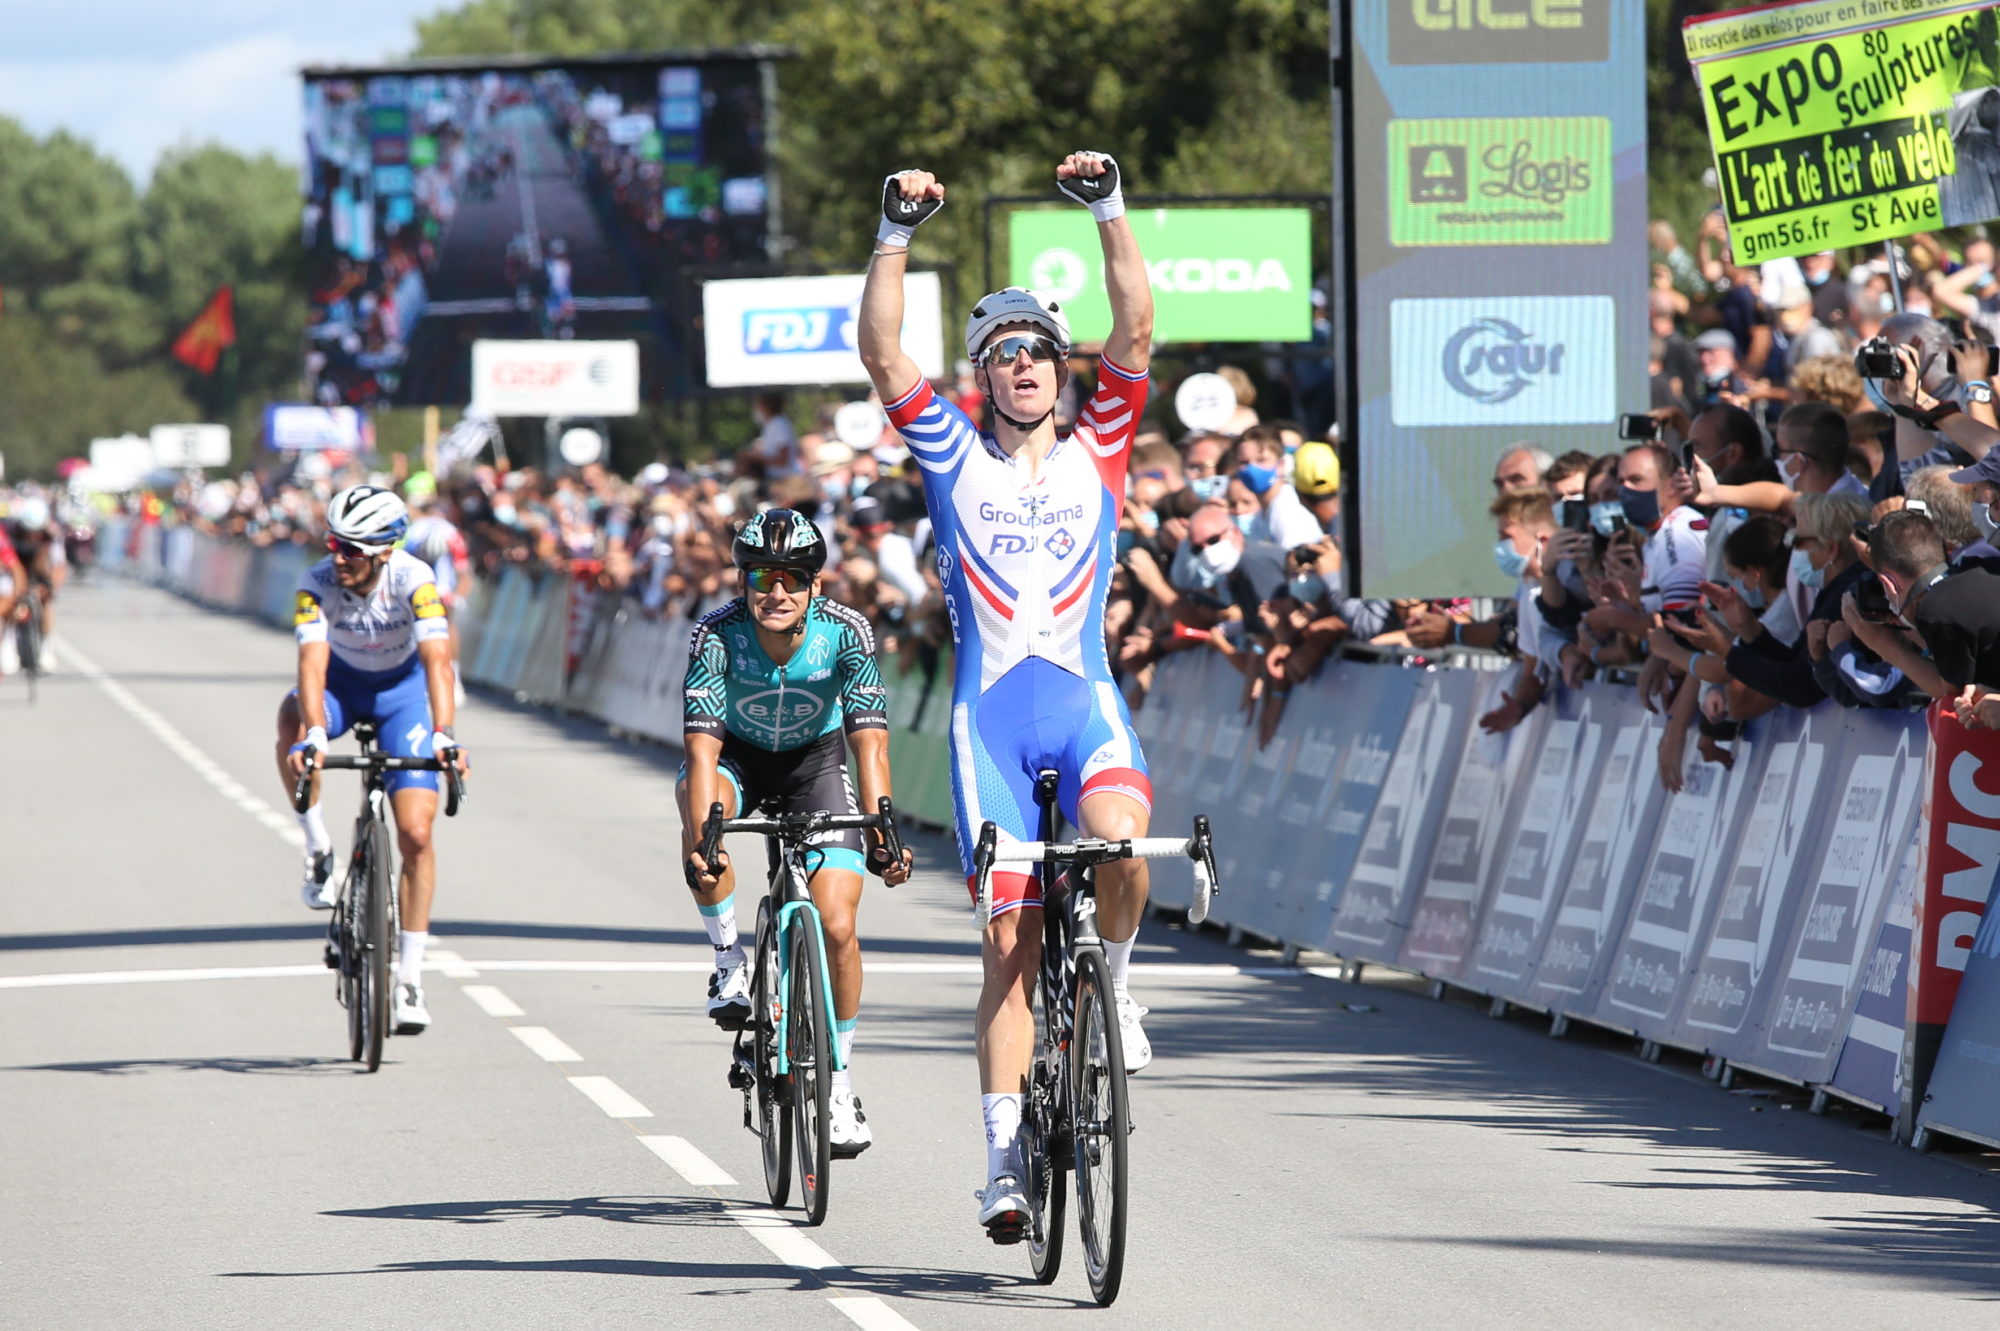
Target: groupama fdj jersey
[(1839, 122)]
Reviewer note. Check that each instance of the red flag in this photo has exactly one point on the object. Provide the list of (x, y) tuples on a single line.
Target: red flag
[(213, 331)]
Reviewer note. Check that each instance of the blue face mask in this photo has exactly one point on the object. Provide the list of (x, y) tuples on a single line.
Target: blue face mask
[(1307, 588), (1607, 518), (1511, 561), (1209, 487), (1259, 479), (1804, 572), (1752, 596), (1642, 507), (1243, 521), (1149, 520)]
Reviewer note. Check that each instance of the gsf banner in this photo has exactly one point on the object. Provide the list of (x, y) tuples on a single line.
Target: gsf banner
[(1839, 122)]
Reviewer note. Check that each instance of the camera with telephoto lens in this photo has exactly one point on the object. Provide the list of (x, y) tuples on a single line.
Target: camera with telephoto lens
[(1877, 359), (1871, 600)]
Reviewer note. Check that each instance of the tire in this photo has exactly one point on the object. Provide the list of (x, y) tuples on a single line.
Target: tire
[(1101, 1124), (774, 1123), (375, 945), (1045, 1144), (352, 912), (812, 1070), (28, 647)]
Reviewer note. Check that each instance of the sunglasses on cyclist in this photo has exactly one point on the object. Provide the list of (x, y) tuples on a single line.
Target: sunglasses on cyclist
[(349, 550), (1006, 349), (770, 579)]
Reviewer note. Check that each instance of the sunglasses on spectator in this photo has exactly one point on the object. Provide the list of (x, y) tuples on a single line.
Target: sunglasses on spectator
[(1203, 545), (770, 579), (349, 550), (1006, 350)]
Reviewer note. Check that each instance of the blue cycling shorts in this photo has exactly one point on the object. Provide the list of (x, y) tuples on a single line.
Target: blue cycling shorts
[(400, 706), (1037, 716)]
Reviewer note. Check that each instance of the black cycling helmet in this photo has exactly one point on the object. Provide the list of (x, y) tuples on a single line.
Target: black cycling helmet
[(780, 538)]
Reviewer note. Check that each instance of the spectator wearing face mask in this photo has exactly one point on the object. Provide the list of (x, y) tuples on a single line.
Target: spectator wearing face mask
[(1811, 452), (1824, 562), (1201, 463), (1720, 381), (1525, 521), (1264, 506), (1953, 614), (1673, 552)]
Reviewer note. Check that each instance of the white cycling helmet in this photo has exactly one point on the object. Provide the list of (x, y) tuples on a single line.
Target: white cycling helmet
[(1014, 305), (32, 512), (368, 516)]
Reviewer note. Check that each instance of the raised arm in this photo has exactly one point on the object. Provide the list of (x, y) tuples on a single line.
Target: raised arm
[(1093, 179), (908, 197)]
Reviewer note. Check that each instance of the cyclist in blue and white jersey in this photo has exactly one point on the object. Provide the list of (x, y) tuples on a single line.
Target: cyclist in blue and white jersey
[(779, 682), (373, 646), (1025, 523)]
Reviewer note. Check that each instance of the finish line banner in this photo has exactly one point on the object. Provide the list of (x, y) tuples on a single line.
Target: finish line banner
[(1842, 122)]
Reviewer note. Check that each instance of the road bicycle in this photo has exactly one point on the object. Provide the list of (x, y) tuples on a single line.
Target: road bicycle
[(28, 640), (361, 936), (1076, 1116), (784, 1058)]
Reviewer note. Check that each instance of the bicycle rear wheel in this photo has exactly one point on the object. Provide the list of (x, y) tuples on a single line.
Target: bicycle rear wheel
[(1045, 1143), (1100, 1121), (348, 934), (812, 1070), (375, 945), (774, 1124), (28, 646)]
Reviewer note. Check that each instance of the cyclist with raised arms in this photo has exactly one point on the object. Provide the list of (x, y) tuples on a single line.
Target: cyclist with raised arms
[(1025, 522), (373, 646), (775, 680)]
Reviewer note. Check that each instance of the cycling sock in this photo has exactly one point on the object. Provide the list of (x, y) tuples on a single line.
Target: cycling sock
[(720, 921), (843, 1031), (410, 957), (318, 839), (1003, 1134), (1120, 957)]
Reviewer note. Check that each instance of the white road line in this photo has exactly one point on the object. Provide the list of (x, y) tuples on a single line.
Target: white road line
[(155, 977), (452, 966), (609, 1096), (687, 1161), (491, 1001), (545, 1042), (873, 1315), (785, 1241), (185, 749)]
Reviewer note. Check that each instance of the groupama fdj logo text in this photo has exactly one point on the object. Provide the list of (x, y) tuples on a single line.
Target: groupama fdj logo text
[(785, 332), (1491, 360)]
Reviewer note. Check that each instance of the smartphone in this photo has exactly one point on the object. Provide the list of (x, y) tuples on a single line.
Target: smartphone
[(1686, 615), (1634, 425), (1877, 359), (1575, 515), (1687, 457)]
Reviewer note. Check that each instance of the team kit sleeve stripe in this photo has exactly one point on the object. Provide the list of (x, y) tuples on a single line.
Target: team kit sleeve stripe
[(905, 409)]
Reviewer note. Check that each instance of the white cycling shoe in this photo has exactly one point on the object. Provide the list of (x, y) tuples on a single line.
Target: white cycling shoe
[(411, 1016), (847, 1133), (1131, 1035), (319, 891), (1003, 1209), (729, 993)]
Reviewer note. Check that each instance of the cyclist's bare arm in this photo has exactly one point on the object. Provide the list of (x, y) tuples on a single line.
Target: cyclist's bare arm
[(434, 655), (1126, 283), (704, 790), (871, 765), (880, 336)]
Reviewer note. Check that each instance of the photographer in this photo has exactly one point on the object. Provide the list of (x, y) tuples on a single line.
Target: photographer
[(1868, 659), (1673, 545), (1956, 615), (1911, 372), (1824, 562), (1812, 459)]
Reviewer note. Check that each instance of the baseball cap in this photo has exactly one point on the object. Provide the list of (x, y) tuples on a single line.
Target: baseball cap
[(1987, 469), (1716, 339), (868, 512), (1316, 470)]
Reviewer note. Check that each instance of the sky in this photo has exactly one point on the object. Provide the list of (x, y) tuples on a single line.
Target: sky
[(134, 77)]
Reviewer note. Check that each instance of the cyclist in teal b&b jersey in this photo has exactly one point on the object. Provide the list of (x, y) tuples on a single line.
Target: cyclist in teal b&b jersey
[(776, 680)]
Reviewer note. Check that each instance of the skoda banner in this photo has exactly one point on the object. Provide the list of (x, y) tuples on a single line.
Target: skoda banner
[(1493, 160), (1839, 122), (1219, 274)]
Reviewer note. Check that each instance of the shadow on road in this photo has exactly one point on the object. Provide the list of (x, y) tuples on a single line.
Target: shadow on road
[(302, 1065)]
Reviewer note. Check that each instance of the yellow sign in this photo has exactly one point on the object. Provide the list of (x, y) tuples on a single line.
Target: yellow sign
[(1840, 122)]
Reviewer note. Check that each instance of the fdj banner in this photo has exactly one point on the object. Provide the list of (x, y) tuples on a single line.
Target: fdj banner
[(1838, 122), (1218, 274)]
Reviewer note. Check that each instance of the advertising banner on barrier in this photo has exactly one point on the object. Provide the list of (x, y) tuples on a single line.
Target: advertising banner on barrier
[(1870, 823), (1475, 818), (1837, 123), (1964, 1095), (1374, 910), (1542, 840), (1870, 1069), (1761, 889), (555, 378), (1617, 834), (1320, 831), (1960, 839), (1676, 889)]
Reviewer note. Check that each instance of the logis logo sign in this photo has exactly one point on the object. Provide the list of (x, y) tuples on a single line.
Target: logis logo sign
[(1491, 360), (1062, 274)]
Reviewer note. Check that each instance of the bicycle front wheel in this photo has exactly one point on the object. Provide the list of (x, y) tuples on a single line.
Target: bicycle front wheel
[(1045, 1142), (1100, 1123), (353, 913), (375, 945), (812, 1069), (774, 1122)]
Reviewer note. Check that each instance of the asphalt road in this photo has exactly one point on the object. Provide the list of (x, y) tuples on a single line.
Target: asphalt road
[(182, 1144)]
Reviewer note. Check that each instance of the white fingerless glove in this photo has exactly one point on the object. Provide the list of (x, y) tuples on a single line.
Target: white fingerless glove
[(901, 216), (1101, 194)]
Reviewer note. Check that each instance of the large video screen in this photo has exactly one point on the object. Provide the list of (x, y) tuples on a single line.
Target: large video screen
[(548, 201), (1497, 160)]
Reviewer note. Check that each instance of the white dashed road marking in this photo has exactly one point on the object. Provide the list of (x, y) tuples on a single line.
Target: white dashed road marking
[(785, 1241), (491, 1001), (609, 1096), (543, 1042), (685, 1160), (872, 1315)]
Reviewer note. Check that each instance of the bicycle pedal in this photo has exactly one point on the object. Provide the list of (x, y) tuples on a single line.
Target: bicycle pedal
[(1008, 1229), (331, 957), (741, 1078)]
